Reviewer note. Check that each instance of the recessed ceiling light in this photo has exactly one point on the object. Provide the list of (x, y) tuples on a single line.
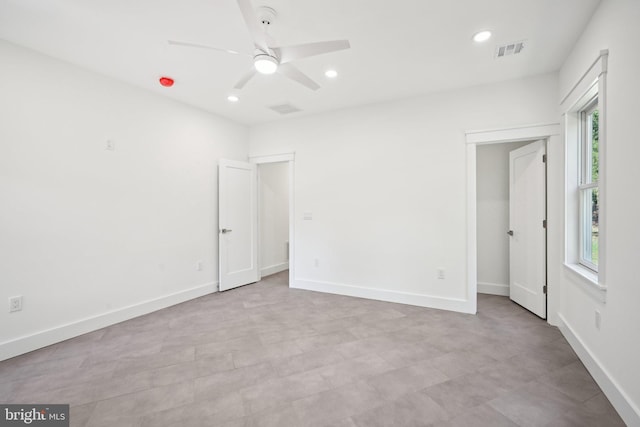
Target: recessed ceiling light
[(233, 98), (332, 74), (482, 36)]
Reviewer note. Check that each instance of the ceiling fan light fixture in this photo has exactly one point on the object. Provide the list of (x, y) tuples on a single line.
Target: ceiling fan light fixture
[(265, 64), (482, 36)]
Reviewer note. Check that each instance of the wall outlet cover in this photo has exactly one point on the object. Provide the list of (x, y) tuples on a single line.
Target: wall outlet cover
[(15, 304)]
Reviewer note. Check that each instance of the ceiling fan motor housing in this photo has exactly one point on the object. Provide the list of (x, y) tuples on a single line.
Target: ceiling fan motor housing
[(266, 15)]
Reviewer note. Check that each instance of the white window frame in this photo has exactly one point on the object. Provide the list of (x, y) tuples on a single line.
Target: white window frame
[(591, 86), (585, 148)]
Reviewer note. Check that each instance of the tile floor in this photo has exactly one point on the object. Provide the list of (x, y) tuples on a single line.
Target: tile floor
[(267, 355)]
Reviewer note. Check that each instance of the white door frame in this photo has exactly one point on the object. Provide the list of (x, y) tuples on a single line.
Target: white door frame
[(474, 138), (290, 159)]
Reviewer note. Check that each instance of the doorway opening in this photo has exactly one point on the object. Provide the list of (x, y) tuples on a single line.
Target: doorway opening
[(240, 225), (476, 140), (492, 216), (511, 214), (273, 218), (276, 237)]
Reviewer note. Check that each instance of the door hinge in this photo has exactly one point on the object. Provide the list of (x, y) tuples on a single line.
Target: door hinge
[(544, 223), (544, 158), (544, 289)]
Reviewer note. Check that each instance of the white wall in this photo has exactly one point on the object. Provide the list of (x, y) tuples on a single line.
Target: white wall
[(87, 236), (613, 351), (492, 214), (274, 217), (386, 187)]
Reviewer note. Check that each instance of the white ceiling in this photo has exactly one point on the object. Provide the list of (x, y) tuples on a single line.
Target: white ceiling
[(399, 48)]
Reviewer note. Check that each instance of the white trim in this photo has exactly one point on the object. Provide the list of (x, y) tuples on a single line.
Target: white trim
[(472, 237), (60, 333), (588, 280), (493, 288), (274, 158), (586, 81), (513, 134), (617, 396), (290, 159), (592, 82), (292, 222), (451, 304), (495, 136), (273, 269)]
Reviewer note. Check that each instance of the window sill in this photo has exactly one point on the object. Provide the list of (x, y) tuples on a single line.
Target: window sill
[(589, 281)]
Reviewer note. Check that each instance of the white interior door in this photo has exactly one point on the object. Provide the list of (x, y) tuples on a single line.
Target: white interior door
[(527, 213), (237, 224)]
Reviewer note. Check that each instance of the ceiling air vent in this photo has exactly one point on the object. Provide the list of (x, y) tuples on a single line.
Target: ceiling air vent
[(285, 108), (509, 49)]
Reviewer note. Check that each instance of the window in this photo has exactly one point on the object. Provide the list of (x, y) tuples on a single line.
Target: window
[(588, 185), (584, 111)]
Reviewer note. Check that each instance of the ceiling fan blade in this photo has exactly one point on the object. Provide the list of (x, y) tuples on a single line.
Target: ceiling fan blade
[(243, 81), (251, 19), (290, 53), (294, 74), (201, 46)]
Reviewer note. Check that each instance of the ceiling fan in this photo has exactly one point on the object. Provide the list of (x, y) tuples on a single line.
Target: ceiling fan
[(269, 58)]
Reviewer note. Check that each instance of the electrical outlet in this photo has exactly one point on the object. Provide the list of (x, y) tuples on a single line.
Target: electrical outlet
[(15, 304), (110, 145), (441, 273), (316, 263), (199, 266), (598, 320)]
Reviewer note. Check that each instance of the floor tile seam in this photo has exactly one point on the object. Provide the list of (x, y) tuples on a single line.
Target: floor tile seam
[(573, 402), (558, 389), (241, 371), (139, 362), (22, 364), (491, 403), (98, 401), (497, 394), (21, 378), (308, 370), (193, 402), (281, 400), (71, 385), (449, 415), (117, 375), (381, 399), (138, 418)]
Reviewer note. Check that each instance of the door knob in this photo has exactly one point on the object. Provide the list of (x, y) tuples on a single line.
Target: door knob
[(510, 232), (225, 231)]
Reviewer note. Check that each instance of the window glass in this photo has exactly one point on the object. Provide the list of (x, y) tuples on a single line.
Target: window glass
[(588, 188)]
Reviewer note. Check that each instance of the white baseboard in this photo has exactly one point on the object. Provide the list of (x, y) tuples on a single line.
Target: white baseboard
[(273, 269), (628, 411), (451, 304), (60, 333), (493, 289)]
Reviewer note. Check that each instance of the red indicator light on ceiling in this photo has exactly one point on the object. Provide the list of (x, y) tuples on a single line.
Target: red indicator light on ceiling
[(166, 81)]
